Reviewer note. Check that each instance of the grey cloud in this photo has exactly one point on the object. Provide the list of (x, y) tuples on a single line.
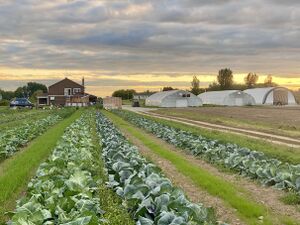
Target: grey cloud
[(169, 35)]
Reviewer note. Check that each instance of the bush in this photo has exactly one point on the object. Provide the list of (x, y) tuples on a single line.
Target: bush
[(4, 102)]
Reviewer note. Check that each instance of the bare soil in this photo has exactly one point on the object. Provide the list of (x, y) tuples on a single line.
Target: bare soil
[(278, 120), (268, 196)]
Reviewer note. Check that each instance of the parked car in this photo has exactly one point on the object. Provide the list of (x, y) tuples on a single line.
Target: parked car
[(21, 103), (135, 103)]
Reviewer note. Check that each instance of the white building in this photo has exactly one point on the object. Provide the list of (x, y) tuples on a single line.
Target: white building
[(272, 96), (227, 97), (173, 98)]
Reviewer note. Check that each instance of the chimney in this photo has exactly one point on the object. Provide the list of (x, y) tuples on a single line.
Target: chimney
[(83, 84)]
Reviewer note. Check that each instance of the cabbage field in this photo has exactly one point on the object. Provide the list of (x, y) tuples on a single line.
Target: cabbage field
[(85, 169), (11, 140), (254, 164), (150, 197), (64, 188)]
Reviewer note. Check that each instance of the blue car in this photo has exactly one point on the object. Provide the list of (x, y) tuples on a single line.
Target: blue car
[(21, 103)]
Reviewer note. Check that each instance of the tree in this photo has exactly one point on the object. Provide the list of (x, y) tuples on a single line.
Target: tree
[(124, 94), (21, 92), (268, 81), (32, 87), (7, 95), (33, 97), (195, 89), (214, 86), (29, 89), (251, 79), (225, 78), (167, 89)]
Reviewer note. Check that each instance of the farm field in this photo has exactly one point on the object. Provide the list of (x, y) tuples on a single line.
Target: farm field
[(63, 181), (101, 167), (10, 118), (282, 121), (31, 125), (254, 164), (259, 173), (16, 170)]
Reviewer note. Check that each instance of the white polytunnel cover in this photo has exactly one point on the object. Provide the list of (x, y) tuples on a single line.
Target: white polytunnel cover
[(227, 97), (272, 96), (173, 98)]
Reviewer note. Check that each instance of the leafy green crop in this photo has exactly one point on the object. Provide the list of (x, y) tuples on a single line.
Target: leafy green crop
[(64, 190), (150, 197), (253, 164), (17, 137)]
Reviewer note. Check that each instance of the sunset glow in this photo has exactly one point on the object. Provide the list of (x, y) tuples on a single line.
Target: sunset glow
[(144, 45)]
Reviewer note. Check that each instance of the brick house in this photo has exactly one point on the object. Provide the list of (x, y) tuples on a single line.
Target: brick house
[(66, 93)]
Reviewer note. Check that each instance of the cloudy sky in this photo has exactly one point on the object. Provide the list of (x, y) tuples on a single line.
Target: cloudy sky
[(147, 44)]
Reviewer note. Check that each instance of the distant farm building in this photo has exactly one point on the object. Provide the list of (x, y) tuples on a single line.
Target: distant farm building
[(66, 93), (272, 96), (173, 98), (227, 97), (112, 103)]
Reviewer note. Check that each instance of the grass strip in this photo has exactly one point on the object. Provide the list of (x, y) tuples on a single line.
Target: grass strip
[(249, 211), (115, 213), (17, 171), (280, 152)]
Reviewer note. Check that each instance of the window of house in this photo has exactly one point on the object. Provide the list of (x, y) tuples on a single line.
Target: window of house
[(76, 90), (68, 91)]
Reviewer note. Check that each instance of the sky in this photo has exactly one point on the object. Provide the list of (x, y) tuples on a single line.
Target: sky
[(146, 45)]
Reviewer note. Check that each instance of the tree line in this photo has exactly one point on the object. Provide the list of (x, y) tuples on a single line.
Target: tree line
[(30, 90), (225, 81)]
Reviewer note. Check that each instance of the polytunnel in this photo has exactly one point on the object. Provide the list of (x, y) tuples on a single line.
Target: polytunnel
[(173, 98), (227, 97), (272, 96)]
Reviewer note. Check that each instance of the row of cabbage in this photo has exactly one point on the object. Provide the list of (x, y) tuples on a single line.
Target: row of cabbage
[(253, 164), (10, 116), (64, 190), (11, 140), (150, 197)]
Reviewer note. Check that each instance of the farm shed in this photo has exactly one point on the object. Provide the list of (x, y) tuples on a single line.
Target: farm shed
[(173, 98), (272, 96), (227, 97), (112, 103)]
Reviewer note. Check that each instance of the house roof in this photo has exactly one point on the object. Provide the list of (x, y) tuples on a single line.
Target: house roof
[(66, 79)]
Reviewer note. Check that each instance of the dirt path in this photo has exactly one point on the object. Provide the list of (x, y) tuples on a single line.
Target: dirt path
[(268, 196), (290, 142)]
